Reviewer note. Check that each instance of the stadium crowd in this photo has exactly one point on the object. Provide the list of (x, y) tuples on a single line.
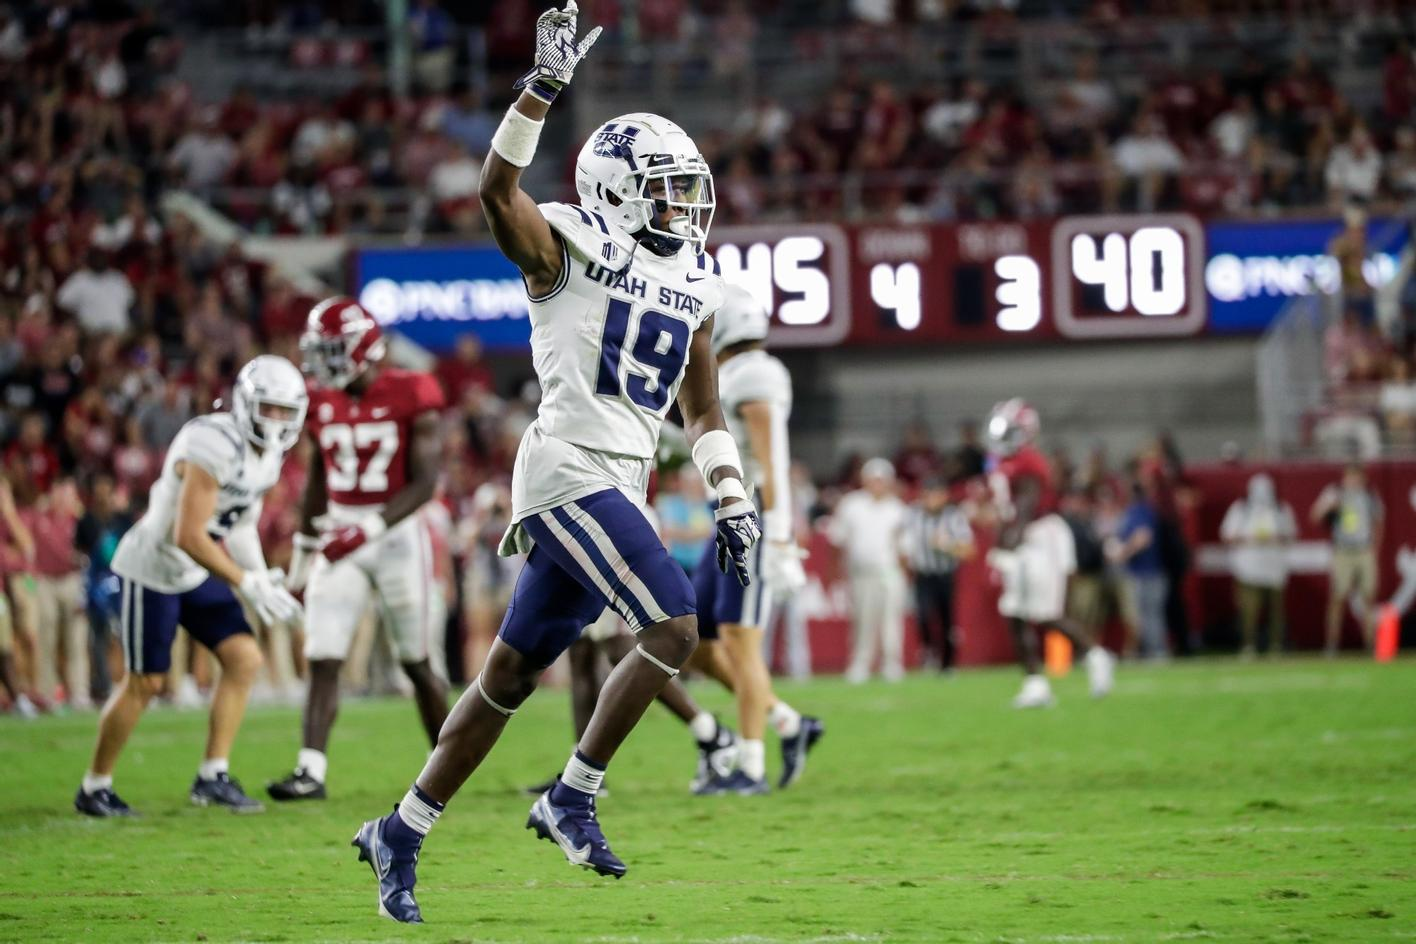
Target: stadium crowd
[(95, 122)]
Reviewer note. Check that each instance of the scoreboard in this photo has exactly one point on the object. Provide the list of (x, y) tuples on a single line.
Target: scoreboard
[(827, 285), (1077, 277)]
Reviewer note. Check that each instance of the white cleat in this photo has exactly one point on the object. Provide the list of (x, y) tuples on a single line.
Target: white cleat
[(25, 708), (1101, 671), (1035, 693)]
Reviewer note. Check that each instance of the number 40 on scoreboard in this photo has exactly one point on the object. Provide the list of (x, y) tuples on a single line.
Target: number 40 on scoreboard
[(1128, 276)]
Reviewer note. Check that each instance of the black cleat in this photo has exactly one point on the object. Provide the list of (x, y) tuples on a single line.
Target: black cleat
[(297, 786), (795, 749), (223, 791), (101, 803), (717, 758)]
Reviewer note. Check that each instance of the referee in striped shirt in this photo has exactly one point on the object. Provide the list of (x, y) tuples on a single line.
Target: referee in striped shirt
[(935, 538)]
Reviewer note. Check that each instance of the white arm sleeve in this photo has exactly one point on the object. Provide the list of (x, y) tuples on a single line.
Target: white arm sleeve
[(777, 520), (243, 542)]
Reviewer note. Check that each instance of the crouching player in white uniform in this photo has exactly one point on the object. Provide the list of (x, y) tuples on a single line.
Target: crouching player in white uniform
[(756, 393), (1035, 554), (187, 560), (379, 450), (621, 296)]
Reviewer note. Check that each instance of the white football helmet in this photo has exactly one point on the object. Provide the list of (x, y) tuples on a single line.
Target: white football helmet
[(634, 167), (741, 318), (269, 401)]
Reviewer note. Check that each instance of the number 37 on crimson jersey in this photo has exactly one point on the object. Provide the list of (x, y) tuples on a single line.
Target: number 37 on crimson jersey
[(364, 440)]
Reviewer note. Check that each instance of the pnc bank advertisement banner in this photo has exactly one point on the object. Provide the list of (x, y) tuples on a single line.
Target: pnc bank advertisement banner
[(434, 294), (1254, 269)]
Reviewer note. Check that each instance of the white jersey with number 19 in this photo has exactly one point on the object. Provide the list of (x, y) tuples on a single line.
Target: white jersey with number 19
[(610, 342)]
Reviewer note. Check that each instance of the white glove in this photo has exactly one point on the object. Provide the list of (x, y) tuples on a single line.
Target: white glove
[(782, 571), (262, 590), (557, 53), (302, 558)]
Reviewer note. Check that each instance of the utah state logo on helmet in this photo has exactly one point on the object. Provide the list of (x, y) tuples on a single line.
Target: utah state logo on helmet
[(612, 141)]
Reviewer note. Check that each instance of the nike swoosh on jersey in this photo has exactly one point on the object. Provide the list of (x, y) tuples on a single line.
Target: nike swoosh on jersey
[(689, 277), (379, 411)]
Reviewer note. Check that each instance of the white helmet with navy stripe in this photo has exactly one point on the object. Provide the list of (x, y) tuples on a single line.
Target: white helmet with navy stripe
[(268, 401), (636, 167), (741, 318)]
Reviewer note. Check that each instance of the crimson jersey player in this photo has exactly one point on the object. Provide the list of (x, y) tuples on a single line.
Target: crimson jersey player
[(361, 537), (1035, 553)]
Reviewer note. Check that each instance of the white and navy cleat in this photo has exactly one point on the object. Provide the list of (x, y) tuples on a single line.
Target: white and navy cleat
[(576, 830), (394, 869)]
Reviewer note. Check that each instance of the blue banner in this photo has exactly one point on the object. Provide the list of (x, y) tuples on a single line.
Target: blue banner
[(433, 295), (1253, 269)]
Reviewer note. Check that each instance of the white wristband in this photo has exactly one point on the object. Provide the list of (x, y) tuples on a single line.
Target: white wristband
[(516, 137), (729, 489), (714, 450)]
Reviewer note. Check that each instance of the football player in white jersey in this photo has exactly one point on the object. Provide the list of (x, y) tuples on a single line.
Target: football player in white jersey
[(756, 394), (187, 560), (622, 294)]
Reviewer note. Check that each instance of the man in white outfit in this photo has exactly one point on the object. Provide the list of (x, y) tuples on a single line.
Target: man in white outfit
[(866, 527)]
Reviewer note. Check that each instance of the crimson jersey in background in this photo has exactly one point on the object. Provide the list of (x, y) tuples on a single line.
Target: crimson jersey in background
[(364, 440), (1027, 463)]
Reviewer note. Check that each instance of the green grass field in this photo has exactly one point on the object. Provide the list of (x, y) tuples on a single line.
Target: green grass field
[(1270, 802)]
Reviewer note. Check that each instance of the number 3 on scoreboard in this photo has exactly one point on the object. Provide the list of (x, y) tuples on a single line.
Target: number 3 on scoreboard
[(346, 442), (661, 346)]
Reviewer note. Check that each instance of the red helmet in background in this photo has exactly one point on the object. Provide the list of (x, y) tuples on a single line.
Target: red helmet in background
[(1012, 424), (341, 341)]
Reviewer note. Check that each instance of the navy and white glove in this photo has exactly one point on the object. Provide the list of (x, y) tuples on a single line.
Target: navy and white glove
[(738, 530), (557, 53)]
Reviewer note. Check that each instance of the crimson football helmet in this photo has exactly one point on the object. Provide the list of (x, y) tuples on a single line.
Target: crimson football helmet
[(1012, 424), (340, 342)]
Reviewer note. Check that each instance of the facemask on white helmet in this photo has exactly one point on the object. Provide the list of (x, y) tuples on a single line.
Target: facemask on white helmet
[(269, 401), (644, 174)]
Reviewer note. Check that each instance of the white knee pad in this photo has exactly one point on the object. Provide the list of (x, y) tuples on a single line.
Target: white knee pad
[(669, 670)]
